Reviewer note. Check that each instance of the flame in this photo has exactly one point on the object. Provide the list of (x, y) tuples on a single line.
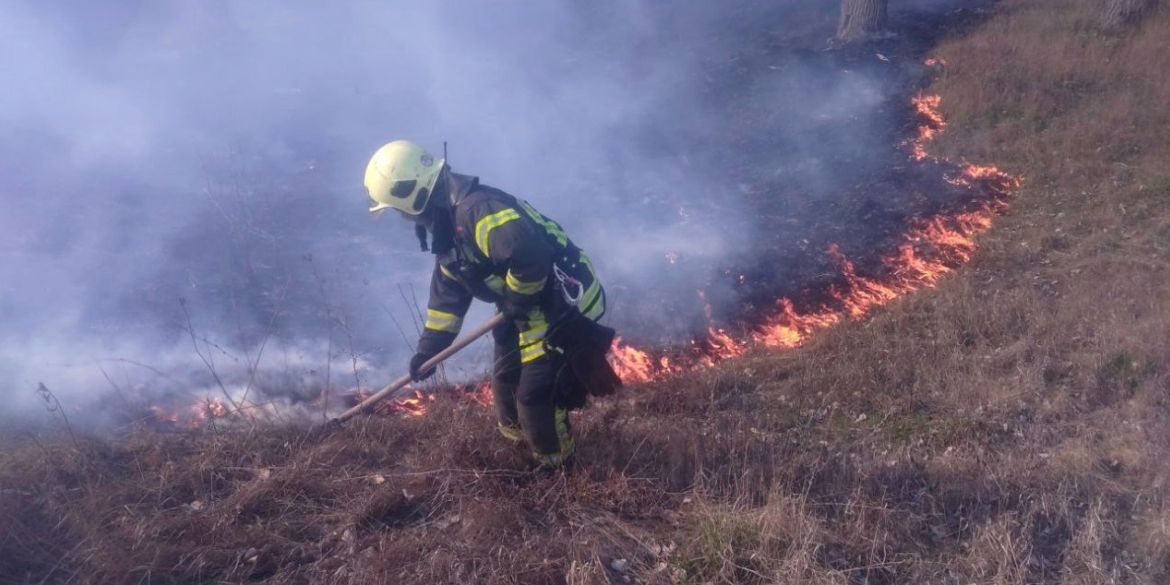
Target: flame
[(790, 328), (163, 416), (417, 402), (213, 408), (931, 248), (723, 345), (413, 405), (481, 394), (931, 121), (195, 415), (634, 365), (930, 124)]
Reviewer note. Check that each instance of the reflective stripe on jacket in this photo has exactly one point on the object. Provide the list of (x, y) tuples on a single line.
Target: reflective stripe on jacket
[(504, 249)]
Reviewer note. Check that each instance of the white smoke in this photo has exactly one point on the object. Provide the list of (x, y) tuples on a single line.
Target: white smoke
[(190, 164)]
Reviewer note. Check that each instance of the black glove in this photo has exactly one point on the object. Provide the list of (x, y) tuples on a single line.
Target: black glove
[(514, 312), (516, 307), (416, 363)]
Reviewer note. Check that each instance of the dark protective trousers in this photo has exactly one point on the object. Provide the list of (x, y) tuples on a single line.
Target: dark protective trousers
[(524, 378), (523, 397)]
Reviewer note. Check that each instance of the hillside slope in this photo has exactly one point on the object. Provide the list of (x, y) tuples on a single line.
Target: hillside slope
[(1008, 426)]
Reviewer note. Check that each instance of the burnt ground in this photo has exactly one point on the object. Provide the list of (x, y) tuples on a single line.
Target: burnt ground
[(813, 153)]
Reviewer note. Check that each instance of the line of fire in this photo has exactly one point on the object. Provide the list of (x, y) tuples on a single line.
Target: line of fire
[(930, 248)]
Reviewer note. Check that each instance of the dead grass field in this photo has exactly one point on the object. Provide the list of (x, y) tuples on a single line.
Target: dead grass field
[(1008, 426)]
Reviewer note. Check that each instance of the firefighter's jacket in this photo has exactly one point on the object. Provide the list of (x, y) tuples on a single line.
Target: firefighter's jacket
[(504, 252)]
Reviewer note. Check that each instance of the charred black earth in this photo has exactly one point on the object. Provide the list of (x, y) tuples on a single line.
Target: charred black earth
[(813, 142)]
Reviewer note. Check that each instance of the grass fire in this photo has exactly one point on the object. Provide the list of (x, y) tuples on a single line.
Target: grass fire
[(931, 248), (954, 372)]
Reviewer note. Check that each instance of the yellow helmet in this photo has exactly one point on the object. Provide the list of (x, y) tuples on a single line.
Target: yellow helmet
[(401, 175)]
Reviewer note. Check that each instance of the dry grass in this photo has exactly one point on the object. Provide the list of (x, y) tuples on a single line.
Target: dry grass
[(1007, 427)]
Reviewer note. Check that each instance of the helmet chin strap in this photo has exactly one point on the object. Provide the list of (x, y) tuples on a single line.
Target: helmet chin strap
[(442, 232), (421, 232)]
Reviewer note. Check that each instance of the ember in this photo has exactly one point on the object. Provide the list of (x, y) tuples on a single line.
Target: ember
[(480, 394), (191, 416), (413, 405)]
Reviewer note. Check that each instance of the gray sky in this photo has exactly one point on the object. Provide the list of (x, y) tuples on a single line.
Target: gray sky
[(211, 152)]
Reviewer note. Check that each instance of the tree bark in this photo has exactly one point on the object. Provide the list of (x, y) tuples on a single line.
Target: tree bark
[(860, 18), (1119, 13)]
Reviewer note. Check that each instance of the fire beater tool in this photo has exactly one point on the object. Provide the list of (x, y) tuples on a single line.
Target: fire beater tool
[(391, 389)]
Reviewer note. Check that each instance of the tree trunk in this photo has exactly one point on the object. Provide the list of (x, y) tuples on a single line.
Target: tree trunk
[(861, 18), (1119, 13)]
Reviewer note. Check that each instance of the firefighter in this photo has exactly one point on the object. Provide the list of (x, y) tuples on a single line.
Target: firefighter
[(488, 245)]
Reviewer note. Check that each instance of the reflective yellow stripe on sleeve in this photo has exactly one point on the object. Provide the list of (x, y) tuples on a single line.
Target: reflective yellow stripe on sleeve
[(484, 227), (593, 304), (441, 321), (446, 272), (532, 341), (524, 288), (549, 225)]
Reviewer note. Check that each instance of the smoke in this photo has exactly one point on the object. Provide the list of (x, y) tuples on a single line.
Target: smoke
[(181, 209)]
